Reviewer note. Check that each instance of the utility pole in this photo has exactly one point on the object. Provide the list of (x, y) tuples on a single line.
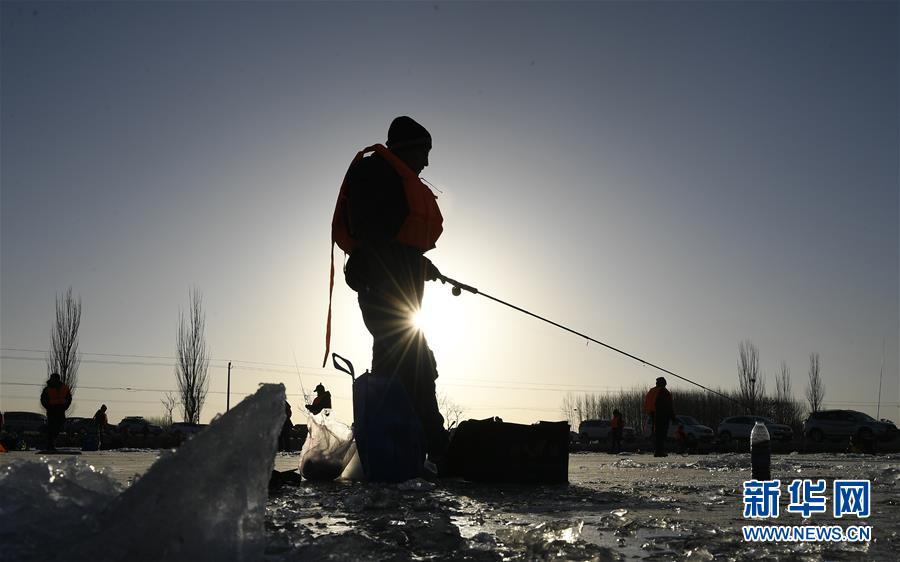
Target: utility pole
[(880, 377), (228, 392)]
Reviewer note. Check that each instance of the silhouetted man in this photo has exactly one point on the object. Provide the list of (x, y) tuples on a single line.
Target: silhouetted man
[(321, 402), (284, 439), (393, 219), (663, 413), (56, 399), (101, 422)]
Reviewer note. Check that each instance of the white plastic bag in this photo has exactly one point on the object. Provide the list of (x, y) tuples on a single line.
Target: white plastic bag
[(328, 449)]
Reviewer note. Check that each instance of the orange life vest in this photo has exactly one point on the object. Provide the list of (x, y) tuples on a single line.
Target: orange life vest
[(650, 400), (56, 396), (421, 229), (616, 422)]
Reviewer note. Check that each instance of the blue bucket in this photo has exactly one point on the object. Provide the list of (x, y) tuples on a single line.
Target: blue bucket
[(388, 433)]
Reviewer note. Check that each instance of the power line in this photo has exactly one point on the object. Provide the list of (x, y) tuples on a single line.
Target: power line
[(223, 362), (545, 387), (443, 382), (287, 369), (113, 400), (268, 367)]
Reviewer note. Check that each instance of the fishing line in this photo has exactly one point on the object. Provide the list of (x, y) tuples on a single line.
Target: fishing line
[(299, 378), (459, 287)]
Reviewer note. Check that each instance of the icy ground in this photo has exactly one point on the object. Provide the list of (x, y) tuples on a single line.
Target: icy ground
[(615, 508), (626, 507)]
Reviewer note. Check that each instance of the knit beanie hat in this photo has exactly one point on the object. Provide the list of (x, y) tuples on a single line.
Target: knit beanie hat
[(405, 131)]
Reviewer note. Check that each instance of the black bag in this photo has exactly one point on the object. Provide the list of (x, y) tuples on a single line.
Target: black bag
[(494, 451)]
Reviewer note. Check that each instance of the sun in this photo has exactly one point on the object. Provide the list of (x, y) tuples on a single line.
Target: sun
[(441, 319)]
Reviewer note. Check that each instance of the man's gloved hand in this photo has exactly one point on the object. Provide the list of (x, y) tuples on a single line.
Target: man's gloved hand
[(432, 273)]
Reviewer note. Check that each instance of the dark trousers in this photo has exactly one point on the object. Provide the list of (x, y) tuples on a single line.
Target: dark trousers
[(660, 432), (616, 438), (400, 350), (56, 418), (284, 438)]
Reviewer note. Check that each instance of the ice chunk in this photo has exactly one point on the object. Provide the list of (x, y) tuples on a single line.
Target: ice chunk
[(63, 491), (206, 501)]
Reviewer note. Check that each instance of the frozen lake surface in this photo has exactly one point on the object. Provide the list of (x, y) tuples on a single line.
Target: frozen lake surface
[(622, 507)]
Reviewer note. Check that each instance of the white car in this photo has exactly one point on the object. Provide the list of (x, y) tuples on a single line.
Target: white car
[(692, 428), (598, 430), (739, 427)]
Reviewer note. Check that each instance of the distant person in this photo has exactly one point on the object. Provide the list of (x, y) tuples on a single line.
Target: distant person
[(616, 429), (56, 399), (388, 220), (663, 413), (101, 422), (321, 402), (681, 438), (284, 440)]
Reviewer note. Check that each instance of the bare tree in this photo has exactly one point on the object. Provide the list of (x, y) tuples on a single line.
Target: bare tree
[(783, 393), (815, 389), (64, 357), (169, 403), (569, 409), (752, 384), (192, 359), (451, 411)]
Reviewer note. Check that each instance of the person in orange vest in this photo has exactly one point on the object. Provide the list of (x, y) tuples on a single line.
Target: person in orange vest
[(681, 438), (616, 428), (392, 219), (56, 399)]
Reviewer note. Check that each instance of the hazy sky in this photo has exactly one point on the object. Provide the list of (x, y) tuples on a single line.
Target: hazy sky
[(670, 178)]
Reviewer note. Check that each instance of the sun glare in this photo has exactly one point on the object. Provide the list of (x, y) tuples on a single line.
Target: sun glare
[(440, 319)]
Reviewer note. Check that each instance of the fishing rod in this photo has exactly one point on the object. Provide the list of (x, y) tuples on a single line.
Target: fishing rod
[(459, 287)]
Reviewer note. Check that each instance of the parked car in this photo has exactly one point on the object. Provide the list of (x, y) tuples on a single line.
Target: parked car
[(739, 427), (76, 425), (845, 423), (692, 428), (598, 430), (186, 429), (20, 423), (137, 424)]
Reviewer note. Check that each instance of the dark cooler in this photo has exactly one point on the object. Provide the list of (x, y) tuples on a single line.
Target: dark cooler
[(495, 451)]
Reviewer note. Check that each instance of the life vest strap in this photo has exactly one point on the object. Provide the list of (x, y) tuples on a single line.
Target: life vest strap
[(328, 321)]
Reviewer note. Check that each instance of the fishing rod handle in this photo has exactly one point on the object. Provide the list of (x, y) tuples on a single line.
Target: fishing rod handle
[(457, 285), (348, 369)]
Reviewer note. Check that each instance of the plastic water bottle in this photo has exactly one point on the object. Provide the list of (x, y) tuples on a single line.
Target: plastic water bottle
[(760, 453)]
